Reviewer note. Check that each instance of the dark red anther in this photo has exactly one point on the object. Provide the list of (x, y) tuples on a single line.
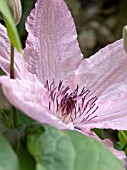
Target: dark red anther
[(70, 106)]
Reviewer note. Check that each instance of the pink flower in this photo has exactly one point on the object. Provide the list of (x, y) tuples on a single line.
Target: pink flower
[(54, 85)]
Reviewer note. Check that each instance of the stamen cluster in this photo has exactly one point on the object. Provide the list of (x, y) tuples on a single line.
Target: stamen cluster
[(70, 106)]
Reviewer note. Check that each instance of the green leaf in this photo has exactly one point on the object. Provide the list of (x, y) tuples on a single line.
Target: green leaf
[(8, 158), (6, 115), (12, 31), (118, 146), (123, 139), (50, 148), (4, 104), (3, 125), (97, 157), (68, 150), (24, 119), (25, 159), (13, 137), (99, 133), (2, 72), (16, 137), (17, 140)]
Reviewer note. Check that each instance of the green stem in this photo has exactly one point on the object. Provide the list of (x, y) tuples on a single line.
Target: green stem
[(15, 119), (12, 62)]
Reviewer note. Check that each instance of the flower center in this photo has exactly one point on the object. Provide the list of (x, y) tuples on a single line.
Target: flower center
[(70, 106)]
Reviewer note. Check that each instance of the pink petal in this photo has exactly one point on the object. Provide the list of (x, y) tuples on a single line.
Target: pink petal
[(5, 55), (52, 49), (105, 74), (4, 50), (28, 97)]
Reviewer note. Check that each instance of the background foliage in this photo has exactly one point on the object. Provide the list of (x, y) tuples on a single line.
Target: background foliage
[(98, 22)]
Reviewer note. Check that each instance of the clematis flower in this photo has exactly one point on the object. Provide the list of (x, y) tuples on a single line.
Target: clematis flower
[(54, 85)]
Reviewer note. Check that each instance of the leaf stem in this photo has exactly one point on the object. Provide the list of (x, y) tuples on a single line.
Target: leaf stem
[(123, 134), (15, 118)]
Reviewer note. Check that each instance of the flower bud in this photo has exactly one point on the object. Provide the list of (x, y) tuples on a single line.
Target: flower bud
[(125, 38), (16, 9)]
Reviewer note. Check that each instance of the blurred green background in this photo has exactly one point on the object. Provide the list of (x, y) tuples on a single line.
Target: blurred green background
[(98, 22)]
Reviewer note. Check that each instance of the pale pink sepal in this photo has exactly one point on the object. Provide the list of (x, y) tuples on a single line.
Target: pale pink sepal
[(5, 55), (52, 48), (105, 75), (28, 97)]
